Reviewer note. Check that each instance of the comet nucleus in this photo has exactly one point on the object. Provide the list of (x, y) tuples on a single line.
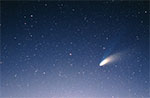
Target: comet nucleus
[(110, 59), (105, 61)]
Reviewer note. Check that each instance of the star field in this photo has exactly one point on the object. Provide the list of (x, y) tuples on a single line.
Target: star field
[(52, 49)]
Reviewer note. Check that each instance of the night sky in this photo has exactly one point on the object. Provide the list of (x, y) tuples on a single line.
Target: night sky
[(53, 49)]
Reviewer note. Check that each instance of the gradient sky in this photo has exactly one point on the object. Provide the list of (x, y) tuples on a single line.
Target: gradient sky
[(53, 49)]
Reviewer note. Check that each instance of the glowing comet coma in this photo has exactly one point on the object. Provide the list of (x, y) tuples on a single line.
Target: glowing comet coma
[(110, 59), (105, 61)]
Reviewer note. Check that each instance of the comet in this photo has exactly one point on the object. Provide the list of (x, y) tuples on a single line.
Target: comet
[(105, 61), (110, 59)]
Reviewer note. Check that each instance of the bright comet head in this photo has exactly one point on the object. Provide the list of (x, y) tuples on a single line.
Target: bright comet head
[(105, 61), (110, 59)]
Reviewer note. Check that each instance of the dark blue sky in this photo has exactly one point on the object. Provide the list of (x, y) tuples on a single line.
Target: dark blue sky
[(53, 49)]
